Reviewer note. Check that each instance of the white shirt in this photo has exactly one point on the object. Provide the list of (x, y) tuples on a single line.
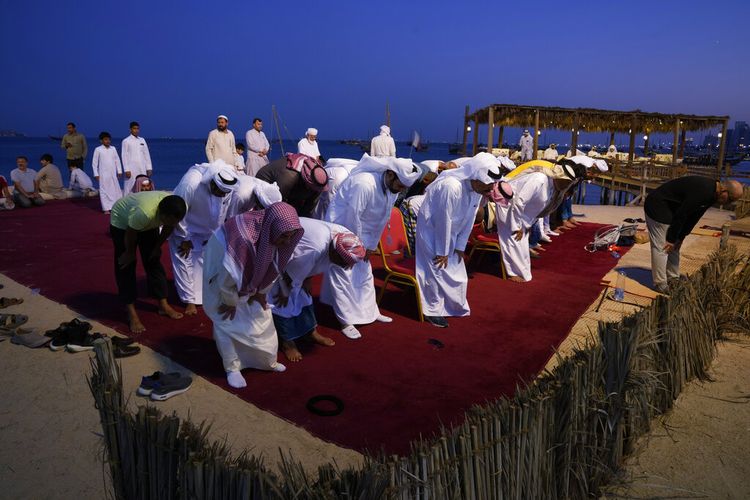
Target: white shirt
[(256, 141), (382, 145), (220, 145), (135, 155), (25, 179), (550, 154), (308, 148), (206, 212), (239, 163), (80, 180), (107, 159), (526, 142)]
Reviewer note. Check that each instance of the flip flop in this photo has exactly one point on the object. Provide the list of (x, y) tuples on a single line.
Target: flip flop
[(7, 302), (9, 322)]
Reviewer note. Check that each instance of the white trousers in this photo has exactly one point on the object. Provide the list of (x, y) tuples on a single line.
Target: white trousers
[(188, 272)]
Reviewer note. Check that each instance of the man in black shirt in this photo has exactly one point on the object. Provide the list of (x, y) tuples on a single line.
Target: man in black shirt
[(672, 211), (300, 178)]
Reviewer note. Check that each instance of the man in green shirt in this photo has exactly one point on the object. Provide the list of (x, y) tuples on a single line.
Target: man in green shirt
[(134, 224), (75, 146)]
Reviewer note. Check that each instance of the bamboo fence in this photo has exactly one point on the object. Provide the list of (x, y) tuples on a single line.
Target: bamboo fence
[(562, 436)]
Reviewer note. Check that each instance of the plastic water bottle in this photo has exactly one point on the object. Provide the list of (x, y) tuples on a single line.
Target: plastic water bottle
[(620, 287)]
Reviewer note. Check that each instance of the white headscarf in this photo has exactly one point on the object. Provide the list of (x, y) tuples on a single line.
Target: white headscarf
[(385, 130), (506, 162), (225, 178), (266, 194), (407, 172)]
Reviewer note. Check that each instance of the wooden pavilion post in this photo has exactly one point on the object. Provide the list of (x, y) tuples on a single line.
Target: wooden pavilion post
[(490, 128), (675, 140), (574, 136), (387, 114), (631, 146), (722, 148), (611, 138), (500, 137), (475, 147), (466, 127), (645, 143), (536, 134), (682, 143)]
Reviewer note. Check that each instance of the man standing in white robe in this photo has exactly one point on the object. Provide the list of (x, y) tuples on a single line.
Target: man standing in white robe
[(363, 204), (308, 145), (107, 172), (527, 146), (136, 159), (383, 145), (444, 223), (207, 191), (220, 143), (532, 194), (257, 148)]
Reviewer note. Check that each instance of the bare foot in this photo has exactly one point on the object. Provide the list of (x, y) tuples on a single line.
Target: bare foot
[(534, 254), (289, 348), (516, 279), (568, 225), (539, 248), (166, 310), (320, 339), (135, 323), (191, 310)]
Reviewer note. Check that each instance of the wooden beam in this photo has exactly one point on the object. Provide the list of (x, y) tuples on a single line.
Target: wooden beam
[(675, 140), (387, 114), (645, 144), (722, 148), (683, 135), (490, 129), (466, 131), (536, 134), (574, 137), (611, 138), (475, 149), (500, 137), (631, 146)]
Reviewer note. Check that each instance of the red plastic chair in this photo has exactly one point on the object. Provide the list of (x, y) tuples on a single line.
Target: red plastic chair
[(394, 246), (482, 241)]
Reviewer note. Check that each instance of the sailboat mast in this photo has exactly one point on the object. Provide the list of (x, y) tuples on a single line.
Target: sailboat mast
[(278, 130)]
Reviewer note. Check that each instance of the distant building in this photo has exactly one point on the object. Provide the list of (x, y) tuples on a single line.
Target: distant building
[(741, 135)]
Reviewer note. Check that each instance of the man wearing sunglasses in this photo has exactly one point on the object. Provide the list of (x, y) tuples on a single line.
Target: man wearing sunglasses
[(672, 211)]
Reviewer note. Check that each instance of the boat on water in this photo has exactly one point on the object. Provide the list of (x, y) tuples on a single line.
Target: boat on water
[(709, 159), (55, 138)]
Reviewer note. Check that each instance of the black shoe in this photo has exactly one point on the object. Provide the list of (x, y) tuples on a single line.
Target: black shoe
[(169, 387), (82, 341), (124, 351), (437, 321), (150, 382), (121, 341), (60, 339)]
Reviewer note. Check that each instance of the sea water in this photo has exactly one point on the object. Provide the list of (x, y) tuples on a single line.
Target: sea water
[(172, 157)]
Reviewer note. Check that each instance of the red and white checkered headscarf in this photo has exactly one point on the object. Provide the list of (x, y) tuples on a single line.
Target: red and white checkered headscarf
[(349, 247), (250, 238)]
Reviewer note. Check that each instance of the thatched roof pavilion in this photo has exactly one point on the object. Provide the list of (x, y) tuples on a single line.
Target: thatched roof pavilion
[(590, 120)]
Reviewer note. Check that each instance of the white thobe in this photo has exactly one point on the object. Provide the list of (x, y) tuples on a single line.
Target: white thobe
[(362, 205), (527, 146), (249, 339), (251, 191), (80, 181), (256, 142), (309, 148), (338, 170), (453, 208), (136, 159), (531, 192), (106, 165), (550, 154), (593, 153), (220, 146), (206, 213), (382, 145), (239, 164), (310, 258)]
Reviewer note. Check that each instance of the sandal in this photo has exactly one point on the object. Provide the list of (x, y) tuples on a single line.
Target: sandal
[(7, 302), (9, 323)]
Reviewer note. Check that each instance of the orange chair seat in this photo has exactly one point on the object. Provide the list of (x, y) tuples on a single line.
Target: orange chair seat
[(404, 265)]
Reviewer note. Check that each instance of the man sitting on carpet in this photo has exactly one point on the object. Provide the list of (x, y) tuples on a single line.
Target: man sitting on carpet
[(443, 227), (323, 245), (243, 259), (672, 210), (363, 205), (134, 224), (25, 184), (207, 192), (50, 179)]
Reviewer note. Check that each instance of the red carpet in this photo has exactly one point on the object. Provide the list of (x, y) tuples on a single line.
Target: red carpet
[(395, 385)]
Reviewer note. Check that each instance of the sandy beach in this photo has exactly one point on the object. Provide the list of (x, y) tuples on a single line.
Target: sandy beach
[(50, 428)]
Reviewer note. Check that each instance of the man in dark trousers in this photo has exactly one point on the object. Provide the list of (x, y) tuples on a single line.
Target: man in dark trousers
[(672, 211)]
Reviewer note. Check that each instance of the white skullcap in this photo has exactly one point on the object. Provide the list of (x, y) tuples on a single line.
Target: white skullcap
[(222, 116), (385, 129), (526, 131), (312, 131), (601, 165), (505, 162), (226, 178)]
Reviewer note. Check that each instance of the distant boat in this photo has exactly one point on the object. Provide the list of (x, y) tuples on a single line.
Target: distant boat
[(55, 138)]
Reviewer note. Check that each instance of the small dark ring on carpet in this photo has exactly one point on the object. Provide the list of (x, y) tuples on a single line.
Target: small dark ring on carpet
[(313, 401)]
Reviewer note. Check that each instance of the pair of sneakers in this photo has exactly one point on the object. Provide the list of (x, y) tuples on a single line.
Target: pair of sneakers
[(73, 336), (162, 386)]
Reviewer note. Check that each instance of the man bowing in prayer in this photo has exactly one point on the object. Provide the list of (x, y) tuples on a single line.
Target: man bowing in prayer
[(322, 246), (308, 145), (300, 178), (220, 143), (443, 227), (383, 145), (363, 204), (243, 259), (257, 148), (206, 190)]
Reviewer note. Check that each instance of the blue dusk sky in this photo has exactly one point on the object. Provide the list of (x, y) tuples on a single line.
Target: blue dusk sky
[(173, 66)]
